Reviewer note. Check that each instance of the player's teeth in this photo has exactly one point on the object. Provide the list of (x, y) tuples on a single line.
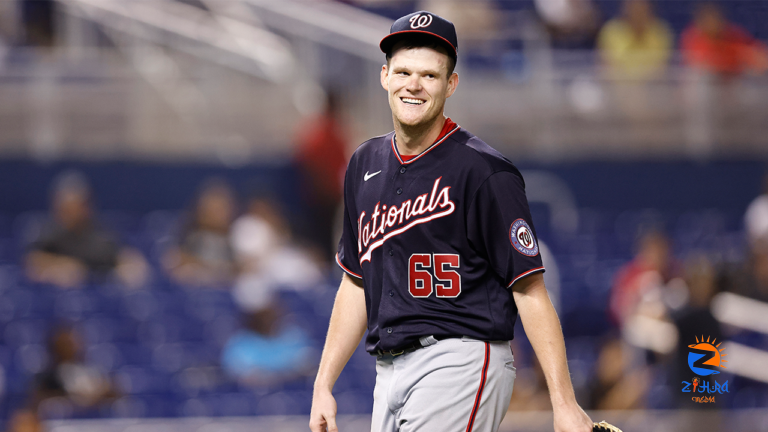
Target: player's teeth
[(413, 101)]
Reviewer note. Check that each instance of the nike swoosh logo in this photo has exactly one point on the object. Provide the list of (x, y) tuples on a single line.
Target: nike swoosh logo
[(367, 176)]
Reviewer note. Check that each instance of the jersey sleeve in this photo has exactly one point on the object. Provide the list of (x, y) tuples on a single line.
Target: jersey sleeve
[(347, 256), (499, 227)]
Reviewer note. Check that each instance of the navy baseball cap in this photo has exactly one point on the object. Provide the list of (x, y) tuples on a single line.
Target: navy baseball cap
[(423, 23)]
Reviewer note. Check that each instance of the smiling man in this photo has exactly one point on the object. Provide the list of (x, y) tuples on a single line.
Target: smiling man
[(440, 256)]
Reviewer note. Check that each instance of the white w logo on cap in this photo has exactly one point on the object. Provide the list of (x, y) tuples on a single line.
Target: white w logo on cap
[(420, 21)]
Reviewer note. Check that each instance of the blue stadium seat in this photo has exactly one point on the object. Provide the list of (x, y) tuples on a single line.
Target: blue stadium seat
[(169, 358), (31, 358), (6, 221), (27, 226), (194, 407), (105, 356), (355, 402), (217, 332), (118, 221), (158, 224), (161, 329), (74, 305), (25, 331), (98, 328), (129, 407), (6, 357), (135, 353), (284, 403), (236, 404), (140, 305)]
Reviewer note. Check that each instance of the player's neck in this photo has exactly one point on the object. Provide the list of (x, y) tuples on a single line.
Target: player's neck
[(412, 140)]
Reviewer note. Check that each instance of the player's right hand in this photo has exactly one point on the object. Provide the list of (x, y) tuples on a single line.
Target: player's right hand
[(323, 415)]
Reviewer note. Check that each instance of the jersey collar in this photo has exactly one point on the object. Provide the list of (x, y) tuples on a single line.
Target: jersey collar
[(449, 127)]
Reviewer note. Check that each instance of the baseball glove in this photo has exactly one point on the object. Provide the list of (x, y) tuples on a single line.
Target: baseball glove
[(605, 427)]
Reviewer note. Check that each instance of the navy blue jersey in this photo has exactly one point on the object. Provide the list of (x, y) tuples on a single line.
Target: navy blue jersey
[(438, 240)]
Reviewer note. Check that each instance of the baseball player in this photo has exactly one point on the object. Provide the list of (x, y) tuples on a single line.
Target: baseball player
[(440, 256)]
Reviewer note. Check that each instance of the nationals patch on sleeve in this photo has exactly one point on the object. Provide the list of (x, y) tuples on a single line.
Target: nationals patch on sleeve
[(521, 236)]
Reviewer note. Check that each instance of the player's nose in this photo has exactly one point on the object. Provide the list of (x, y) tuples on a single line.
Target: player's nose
[(413, 84)]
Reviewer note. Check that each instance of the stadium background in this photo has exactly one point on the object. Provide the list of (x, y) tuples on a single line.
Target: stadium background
[(149, 99)]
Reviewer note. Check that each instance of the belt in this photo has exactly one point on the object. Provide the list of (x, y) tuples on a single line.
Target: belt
[(423, 342)]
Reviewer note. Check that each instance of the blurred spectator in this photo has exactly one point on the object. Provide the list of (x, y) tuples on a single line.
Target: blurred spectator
[(570, 23), (25, 421), (717, 51), (73, 246), (9, 22), (619, 383), (756, 218), (267, 256), (322, 159), (258, 233), (268, 350), (39, 18), (637, 45), (68, 379), (635, 48), (751, 279), (713, 44), (203, 256), (638, 283), (695, 318), (476, 21)]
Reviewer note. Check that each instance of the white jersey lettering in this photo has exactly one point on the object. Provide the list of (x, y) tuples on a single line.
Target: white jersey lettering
[(426, 204)]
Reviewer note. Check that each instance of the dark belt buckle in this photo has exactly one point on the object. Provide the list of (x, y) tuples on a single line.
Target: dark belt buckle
[(395, 353)]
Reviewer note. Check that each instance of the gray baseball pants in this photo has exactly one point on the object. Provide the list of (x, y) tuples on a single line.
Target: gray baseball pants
[(453, 385)]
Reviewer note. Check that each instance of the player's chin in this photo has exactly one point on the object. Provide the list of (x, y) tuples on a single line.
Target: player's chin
[(415, 117), (410, 120)]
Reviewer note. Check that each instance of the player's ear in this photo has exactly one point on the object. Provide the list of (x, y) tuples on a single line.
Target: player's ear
[(453, 82), (384, 75)]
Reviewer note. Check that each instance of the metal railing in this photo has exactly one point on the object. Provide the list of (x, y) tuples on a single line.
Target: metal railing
[(234, 82)]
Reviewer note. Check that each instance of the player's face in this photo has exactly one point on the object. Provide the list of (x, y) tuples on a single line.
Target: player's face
[(418, 84)]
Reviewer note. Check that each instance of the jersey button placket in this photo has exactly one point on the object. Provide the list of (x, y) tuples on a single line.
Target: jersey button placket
[(399, 191), (403, 169)]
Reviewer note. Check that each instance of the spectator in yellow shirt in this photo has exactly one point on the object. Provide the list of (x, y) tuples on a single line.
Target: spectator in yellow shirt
[(636, 45)]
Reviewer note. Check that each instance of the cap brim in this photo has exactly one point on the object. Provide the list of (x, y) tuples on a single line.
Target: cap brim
[(391, 39)]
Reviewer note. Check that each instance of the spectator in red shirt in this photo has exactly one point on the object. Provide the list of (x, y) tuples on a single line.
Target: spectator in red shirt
[(713, 44), (651, 269), (322, 160)]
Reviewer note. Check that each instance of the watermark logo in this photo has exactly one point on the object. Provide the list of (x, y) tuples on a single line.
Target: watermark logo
[(705, 359)]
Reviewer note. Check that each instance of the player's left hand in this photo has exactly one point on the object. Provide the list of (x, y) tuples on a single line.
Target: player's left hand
[(571, 418)]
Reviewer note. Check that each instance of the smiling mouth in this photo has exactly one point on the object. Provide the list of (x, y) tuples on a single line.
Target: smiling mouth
[(412, 101)]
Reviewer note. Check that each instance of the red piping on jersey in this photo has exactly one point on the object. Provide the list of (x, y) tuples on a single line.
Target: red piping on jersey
[(338, 261), (537, 269), (480, 389), (440, 140)]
